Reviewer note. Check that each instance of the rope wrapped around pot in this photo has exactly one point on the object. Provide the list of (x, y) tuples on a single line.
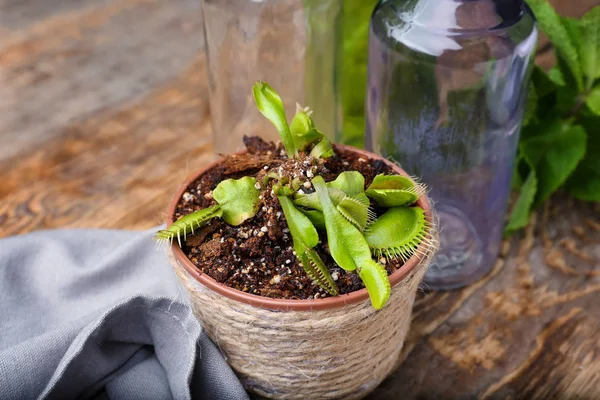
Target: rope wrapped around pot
[(342, 352)]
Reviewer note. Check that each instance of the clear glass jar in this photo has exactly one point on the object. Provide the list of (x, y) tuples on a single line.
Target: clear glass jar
[(294, 45), (445, 98)]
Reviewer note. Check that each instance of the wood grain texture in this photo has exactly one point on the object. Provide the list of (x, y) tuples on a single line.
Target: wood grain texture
[(103, 112), (527, 330)]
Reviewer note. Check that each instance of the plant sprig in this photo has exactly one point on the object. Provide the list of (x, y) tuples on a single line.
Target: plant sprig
[(560, 140)]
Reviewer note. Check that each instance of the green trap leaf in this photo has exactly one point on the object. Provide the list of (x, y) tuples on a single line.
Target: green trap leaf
[(394, 190), (186, 224), (270, 105), (349, 182), (375, 279), (397, 233), (346, 243), (238, 199)]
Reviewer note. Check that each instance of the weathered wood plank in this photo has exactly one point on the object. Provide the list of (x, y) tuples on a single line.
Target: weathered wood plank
[(71, 66), (103, 169), (527, 330)]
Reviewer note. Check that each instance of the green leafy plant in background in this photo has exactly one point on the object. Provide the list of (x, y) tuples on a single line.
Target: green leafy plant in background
[(560, 140), (340, 209)]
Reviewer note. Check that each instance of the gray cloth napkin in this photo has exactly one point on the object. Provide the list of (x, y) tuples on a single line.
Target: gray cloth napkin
[(99, 314)]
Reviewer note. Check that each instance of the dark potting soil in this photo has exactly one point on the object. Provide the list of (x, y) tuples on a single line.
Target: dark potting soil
[(257, 256)]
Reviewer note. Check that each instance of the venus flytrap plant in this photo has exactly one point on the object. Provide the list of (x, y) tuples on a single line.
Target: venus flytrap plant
[(340, 208)]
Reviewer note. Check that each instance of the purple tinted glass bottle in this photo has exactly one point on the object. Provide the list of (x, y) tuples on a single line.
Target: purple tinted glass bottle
[(446, 92)]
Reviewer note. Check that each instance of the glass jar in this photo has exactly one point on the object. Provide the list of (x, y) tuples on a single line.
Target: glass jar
[(447, 82), (294, 45)]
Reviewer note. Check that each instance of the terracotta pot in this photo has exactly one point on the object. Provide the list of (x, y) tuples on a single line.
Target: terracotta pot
[(336, 347)]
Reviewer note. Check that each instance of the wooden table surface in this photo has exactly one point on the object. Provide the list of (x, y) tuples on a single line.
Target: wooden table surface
[(103, 111)]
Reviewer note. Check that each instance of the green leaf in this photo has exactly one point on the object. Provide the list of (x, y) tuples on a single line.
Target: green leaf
[(554, 155), (573, 28), (362, 197), (302, 122), (530, 105), (590, 47), (346, 243), (376, 280), (301, 228), (317, 271), (186, 224), (397, 233), (316, 217), (516, 181), (303, 129), (556, 76), (323, 149), (593, 101), (552, 24), (302, 140), (543, 83), (270, 105), (238, 199), (519, 218), (311, 200), (584, 183), (349, 182), (394, 190), (354, 211), (305, 237), (566, 99)]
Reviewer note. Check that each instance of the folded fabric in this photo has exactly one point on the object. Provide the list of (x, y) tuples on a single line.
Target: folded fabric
[(99, 314)]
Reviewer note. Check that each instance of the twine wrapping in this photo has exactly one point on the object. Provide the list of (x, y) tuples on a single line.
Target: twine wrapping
[(329, 354)]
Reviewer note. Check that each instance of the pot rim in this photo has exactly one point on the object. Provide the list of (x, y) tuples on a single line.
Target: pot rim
[(286, 304)]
